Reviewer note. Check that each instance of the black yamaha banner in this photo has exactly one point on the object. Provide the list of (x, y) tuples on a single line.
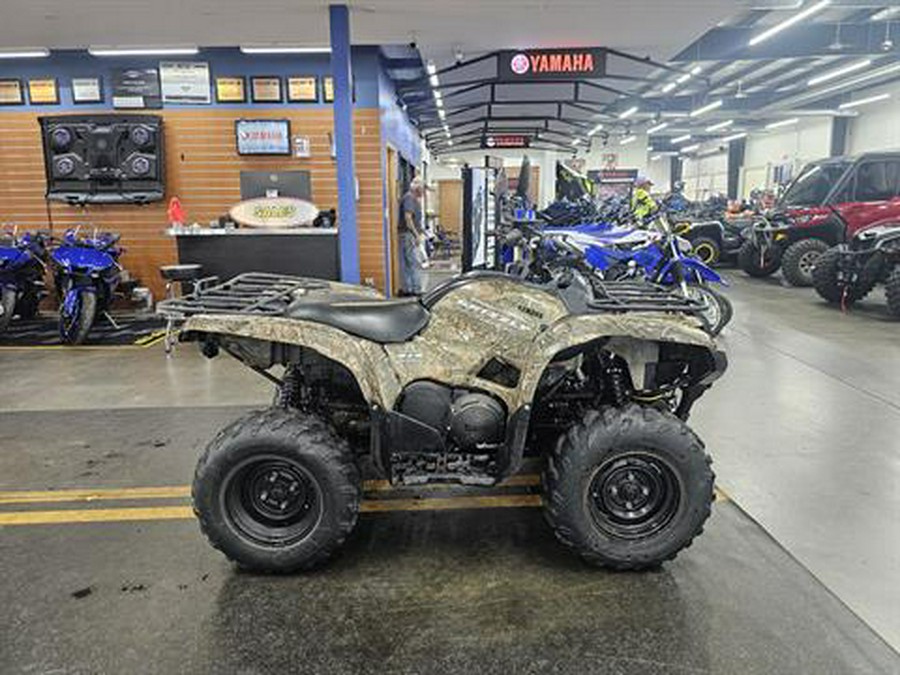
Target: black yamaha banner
[(571, 63)]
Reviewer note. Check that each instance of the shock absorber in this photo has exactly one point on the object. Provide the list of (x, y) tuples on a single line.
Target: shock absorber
[(288, 394)]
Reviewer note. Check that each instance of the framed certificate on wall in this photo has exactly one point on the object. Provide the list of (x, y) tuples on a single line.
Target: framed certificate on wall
[(328, 88), (10, 92), (303, 89), (265, 89), (87, 90), (43, 91), (230, 90)]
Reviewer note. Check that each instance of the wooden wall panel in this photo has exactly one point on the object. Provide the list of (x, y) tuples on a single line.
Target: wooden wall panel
[(203, 169)]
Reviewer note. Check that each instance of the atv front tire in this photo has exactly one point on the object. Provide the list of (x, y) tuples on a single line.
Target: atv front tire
[(706, 250), (800, 259), (754, 263), (277, 491), (628, 488), (892, 291)]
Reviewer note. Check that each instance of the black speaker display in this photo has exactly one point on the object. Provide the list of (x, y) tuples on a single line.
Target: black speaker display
[(103, 158)]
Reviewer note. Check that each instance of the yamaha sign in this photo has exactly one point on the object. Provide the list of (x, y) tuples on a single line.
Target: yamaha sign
[(498, 141), (576, 63)]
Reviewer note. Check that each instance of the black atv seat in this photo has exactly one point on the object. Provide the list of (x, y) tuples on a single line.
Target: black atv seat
[(375, 320)]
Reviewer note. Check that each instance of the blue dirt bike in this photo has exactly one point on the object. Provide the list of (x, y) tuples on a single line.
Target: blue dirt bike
[(22, 266), (87, 273), (661, 258)]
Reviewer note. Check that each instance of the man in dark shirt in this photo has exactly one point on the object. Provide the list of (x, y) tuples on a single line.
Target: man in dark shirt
[(412, 235)]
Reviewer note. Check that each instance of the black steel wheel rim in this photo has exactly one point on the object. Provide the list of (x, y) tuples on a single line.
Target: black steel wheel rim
[(272, 500), (634, 495)]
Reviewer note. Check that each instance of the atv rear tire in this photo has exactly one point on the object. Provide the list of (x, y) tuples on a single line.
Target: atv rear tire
[(706, 250), (277, 491), (628, 488), (800, 259), (892, 291), (7, 307), (825, 278), (749, 260)]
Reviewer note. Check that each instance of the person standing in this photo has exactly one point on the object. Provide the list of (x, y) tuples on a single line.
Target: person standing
[(642, 203), (412, 238)]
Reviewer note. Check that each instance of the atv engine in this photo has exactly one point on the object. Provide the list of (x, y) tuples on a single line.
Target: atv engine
[(443, 433), (469, 420)]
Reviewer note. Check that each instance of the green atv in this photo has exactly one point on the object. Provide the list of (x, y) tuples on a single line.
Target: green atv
[(458, 386)]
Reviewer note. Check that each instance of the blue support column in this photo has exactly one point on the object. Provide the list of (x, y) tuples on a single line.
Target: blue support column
[(341, 71)]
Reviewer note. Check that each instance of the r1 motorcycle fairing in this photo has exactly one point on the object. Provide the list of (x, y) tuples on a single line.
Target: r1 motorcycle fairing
[(22, 265), (87, 272), (455, 387)]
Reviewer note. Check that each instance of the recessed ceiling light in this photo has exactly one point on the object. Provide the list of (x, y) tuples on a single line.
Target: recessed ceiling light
[(702, 110), (37, 53), (283, 49), (863, 101), (782, 123), (142, 51), (825, 77), (719, 126), (787, 23)]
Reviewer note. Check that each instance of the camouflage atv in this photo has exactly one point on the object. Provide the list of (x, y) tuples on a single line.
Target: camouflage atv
[(458, 386)]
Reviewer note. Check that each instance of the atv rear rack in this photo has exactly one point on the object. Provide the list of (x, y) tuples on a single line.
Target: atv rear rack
[(249, 293), (639, 296)]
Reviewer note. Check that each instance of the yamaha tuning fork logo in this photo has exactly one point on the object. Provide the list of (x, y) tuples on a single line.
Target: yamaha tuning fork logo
[(520, 64)]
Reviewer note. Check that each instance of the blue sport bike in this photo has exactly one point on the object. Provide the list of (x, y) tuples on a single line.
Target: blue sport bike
[(87, 273), (23, 261)]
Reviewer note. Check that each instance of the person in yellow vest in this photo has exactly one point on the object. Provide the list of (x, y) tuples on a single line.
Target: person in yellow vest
[(642, 204)]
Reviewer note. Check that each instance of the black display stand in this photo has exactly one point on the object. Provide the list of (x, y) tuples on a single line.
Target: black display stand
[(480, 218)]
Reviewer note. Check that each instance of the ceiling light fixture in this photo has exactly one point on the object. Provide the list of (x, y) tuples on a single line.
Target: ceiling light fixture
[(696, 70), (143, 51), (575, 141), (37, 53), (628, 113), (787, 23), (883, 14), (782, 123), (668, 87), (595, 130), (681, 139), (283, 49), (709, 107), (656, 158), (627, 140), (684, 78), (691, 148), (734, 137), (880, 72), (853, 67), (441, 113), (657, 127), (719, 126), (863, 101)]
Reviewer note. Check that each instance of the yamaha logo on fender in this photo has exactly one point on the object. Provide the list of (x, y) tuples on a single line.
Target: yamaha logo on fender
[(559, 64)]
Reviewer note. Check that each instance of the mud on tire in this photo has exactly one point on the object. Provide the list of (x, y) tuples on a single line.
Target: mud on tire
[(277, 491), (628, 488)]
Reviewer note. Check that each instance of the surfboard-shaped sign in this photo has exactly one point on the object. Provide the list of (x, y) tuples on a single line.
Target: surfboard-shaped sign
[(274, 212)]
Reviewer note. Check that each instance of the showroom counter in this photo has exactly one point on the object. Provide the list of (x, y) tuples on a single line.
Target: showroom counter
[(226, 252)]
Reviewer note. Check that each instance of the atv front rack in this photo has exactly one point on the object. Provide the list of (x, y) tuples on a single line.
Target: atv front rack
[(249, 293)]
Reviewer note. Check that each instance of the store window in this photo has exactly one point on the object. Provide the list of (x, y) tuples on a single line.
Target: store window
[(877, 181)]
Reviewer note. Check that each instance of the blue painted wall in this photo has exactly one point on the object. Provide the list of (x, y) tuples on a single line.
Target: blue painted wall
[(223, 62)]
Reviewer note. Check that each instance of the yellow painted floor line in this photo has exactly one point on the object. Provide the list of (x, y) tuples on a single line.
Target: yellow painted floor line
[(70, 516), (180, 491)]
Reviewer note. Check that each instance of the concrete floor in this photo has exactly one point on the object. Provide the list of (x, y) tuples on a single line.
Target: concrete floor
[(804, 432)]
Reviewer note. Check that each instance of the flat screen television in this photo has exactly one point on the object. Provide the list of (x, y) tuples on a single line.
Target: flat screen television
[(263, 137)]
